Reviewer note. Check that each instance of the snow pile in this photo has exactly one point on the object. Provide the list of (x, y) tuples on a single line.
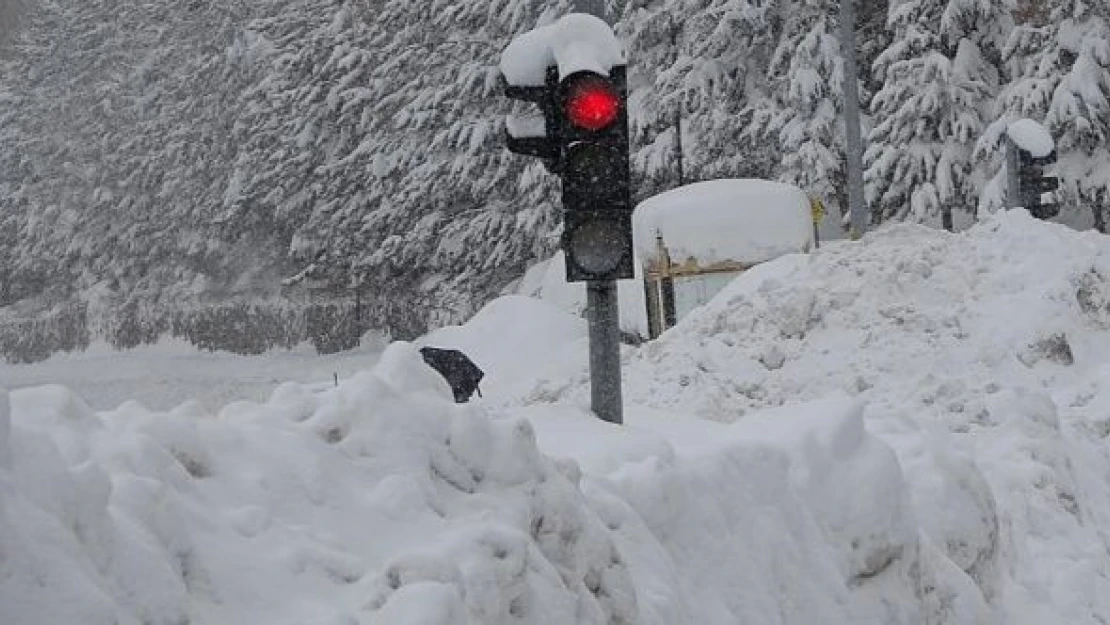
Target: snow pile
[(382, 502), (982, 358), (547, 281), (741, 220), (378, 502), (515, 338), (923, 441), (795, 516), (575, 42), (1009, 303)]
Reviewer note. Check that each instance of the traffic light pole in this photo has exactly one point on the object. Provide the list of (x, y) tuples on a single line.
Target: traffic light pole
[(605, 350), (603, 314), (1013, 182)]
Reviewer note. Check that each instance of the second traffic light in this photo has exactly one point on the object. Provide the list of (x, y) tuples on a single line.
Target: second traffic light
[(1033, 182)]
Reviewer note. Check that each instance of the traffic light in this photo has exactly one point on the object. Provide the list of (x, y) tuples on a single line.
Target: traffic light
[(1033, 182), (597, 203), (583, 137)]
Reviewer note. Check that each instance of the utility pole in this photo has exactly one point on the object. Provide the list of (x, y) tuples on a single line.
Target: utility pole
[(852, 134)]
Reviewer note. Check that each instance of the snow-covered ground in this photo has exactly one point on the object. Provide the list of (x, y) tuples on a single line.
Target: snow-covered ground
[(172, 372), (910, 429)]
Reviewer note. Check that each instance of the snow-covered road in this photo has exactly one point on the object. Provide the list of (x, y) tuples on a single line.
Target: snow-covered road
[(172, 372)]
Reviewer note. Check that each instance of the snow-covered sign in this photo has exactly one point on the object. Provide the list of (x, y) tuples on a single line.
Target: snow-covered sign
[(576, 42), (740, 220), (1032, 137)]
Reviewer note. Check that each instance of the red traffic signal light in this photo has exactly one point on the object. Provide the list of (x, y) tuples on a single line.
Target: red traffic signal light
[(592, 103)]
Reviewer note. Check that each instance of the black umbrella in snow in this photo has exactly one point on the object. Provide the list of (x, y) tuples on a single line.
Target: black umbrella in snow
[(455, 367)]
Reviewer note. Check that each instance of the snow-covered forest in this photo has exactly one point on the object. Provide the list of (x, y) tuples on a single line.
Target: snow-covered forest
[(163, 153)]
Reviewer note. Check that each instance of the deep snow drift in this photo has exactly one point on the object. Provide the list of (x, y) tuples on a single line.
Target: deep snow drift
[(983, 358), (908, 429)]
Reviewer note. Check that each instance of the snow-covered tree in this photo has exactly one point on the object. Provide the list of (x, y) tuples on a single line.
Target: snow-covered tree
[(123, 114), (164, 151), (697, 65), (1057, 63), (801, 108), (1079, 112), (937, 81), (376, 142)]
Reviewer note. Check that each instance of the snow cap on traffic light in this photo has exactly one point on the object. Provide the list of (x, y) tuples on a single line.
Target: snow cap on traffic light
[(574, 43)]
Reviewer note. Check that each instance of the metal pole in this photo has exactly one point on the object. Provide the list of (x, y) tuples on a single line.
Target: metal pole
[(1013, 184), (605, 350), (852, 134)]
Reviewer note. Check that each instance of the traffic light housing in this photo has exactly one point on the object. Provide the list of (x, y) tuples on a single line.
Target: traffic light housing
[(1033, 182), (584, 139), (594, 165)]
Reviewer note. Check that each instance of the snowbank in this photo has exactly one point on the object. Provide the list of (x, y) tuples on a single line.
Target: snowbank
[(380, 501), (513, 339), (795, 516), (923, 440), (741, 220), (981, 358), (547, 280)]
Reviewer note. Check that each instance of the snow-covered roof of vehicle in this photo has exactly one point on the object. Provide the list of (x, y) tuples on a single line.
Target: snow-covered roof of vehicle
[(576, 42), (1032, 136), (739, 220)]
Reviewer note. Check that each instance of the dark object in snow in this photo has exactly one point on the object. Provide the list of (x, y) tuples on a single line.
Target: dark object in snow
[(455, 367)]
